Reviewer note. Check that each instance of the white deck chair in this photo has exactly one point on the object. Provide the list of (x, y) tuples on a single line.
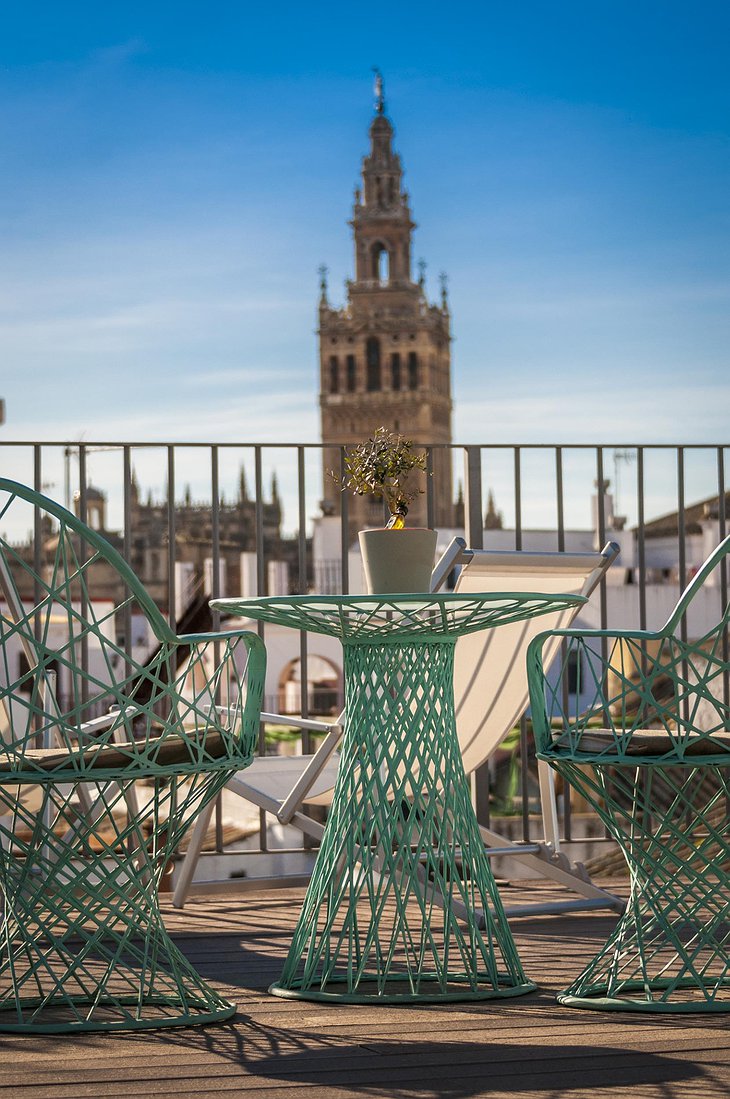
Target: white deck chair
[(491, 693)]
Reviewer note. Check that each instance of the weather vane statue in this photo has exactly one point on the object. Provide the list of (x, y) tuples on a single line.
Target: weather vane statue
[(322, 270), (379, 92)]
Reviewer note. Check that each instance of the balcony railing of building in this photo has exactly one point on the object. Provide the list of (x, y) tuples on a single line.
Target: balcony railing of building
[(201, 520)]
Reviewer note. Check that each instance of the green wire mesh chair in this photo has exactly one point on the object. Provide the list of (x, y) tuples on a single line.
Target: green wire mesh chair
[(106, 757), (651, 754)]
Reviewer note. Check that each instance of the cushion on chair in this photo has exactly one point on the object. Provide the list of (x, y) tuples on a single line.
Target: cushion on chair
[(648, 742), (162, 751)]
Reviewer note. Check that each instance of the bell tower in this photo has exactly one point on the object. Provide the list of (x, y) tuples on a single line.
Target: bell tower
[(385, 357)]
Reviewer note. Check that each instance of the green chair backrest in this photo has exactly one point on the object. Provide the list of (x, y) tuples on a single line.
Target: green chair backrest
[(662, 694), (91, 675)]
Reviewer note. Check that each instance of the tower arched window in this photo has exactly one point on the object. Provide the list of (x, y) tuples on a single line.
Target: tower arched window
[(380, 257), (351, 375), (372, 357), (334, 374), (395, 380), (412, 370)]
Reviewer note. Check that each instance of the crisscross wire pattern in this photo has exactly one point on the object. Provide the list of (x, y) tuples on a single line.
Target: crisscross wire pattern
[(107, 754), (653, 694), (651, 753), (669, 951), (401, 845)]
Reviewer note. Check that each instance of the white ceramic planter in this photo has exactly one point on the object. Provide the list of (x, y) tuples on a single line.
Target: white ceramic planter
[(398, 560)]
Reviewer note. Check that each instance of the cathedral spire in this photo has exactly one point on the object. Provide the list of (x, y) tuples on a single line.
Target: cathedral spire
[(385, 356), (381, 215)]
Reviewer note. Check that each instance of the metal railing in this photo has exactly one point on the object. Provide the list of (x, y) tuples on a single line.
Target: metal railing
[(165, 501)]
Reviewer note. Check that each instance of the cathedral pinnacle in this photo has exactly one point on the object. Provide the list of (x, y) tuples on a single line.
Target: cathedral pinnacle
[(444, 281), (379, 92), (322, 271)]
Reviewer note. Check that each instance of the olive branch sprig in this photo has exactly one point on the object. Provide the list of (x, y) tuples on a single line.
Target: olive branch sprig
[(381, 467)]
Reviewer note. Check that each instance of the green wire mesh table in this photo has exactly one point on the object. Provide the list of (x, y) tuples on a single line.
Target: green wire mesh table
[(402, 845)]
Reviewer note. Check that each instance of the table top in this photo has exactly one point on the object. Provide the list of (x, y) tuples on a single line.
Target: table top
[(374, 618)]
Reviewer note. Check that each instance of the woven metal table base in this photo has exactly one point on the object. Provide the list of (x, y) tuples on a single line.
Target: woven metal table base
[(400, 847)]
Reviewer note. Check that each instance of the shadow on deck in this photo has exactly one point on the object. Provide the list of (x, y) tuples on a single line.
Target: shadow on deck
[(529, 1046)]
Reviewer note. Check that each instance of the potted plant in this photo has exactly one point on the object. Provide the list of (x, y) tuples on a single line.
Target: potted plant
[(396, 558)]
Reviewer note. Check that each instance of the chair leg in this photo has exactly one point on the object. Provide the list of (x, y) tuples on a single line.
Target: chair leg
[(557, 868), (192, 855)]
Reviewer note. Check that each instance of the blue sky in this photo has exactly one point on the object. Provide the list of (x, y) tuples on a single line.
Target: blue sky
[(171, 176)]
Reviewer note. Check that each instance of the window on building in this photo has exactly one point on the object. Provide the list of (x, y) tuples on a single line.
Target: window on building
[(372, 353), (380, 263), (395, 370), (351, 378), (334, 374), (412, 370), (383, 267)]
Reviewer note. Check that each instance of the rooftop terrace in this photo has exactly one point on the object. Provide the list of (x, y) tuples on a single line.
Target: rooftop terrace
[(528, 1046)]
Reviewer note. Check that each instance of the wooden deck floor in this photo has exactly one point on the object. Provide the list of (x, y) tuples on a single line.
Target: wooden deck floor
[(521, 1047)]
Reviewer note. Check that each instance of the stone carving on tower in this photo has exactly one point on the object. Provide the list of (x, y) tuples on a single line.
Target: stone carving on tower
[(385, 356)]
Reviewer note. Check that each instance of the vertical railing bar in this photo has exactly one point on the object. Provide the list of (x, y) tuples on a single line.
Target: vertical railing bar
[(601, 538), (641, 547), (601, 532), (83, 495), (127, 551), (474, 526), (307, 739), (524, 778), (474, 534), (560, 498), (260, 565), (302, 560), (681, 527), (67, 453), (524, 744), (215, 540), (260, 585), (37, 539), (37, 569), (83, 516), (171, 538), (344, 528), (641, 553), (430, 494), (518, 497), (215, 531), (682, 562), (127, 554), (722, 532), (560, 491)]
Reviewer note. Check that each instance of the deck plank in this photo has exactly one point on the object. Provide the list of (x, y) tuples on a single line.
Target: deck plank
[(289, 1049)]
